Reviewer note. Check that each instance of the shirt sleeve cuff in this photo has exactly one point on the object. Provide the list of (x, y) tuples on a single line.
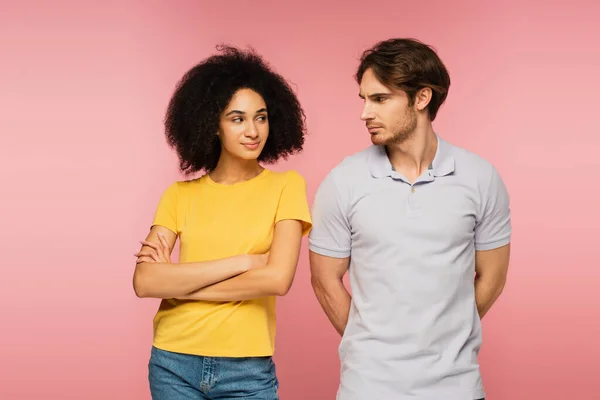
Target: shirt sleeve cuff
[(492, 245), (329, 253)]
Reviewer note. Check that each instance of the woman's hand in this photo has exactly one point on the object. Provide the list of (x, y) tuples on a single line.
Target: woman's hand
[(154, 252)]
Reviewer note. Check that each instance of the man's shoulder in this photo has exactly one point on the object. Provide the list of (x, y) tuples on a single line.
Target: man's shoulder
[(470, 163), (353, 166)]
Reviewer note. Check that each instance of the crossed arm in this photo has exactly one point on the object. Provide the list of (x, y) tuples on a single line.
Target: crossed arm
[(235, 278)]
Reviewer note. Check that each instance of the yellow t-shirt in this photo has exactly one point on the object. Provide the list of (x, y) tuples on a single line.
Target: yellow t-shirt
[(215, 221)]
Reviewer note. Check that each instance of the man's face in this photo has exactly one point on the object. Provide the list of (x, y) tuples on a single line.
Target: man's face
[(389, 117)]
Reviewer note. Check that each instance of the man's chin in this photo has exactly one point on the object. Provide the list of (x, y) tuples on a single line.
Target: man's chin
[(379, 140)]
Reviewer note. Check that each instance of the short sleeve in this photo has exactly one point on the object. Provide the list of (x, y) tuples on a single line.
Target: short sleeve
[(331, 234), (166, 212), (293, 203), (493, 226)]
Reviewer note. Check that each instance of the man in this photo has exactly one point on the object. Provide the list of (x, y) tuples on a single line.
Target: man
[(422, 226)]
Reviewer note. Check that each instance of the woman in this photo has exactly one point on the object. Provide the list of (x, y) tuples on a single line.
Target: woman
[(240, 228)]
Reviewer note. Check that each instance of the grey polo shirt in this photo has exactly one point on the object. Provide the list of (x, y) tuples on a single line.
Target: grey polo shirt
[(413, 331)]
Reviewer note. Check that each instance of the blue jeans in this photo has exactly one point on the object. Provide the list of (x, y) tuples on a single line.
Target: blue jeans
[(175, 376)]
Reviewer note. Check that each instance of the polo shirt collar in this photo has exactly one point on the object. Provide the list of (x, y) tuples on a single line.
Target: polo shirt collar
[(443, 161)]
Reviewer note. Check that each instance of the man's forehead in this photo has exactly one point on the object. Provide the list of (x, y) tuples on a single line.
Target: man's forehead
[(376, 89)]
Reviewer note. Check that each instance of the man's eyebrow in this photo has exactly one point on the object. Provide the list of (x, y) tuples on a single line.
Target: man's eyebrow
[(375, 95)]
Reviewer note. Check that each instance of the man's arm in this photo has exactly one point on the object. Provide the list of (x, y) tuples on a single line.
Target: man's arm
[(491, 268), (275, 279), (326, 278), (330, 249), (155, 276), (492, 241)]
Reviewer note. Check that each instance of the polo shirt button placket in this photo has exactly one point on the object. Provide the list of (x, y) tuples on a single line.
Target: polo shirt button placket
[(412, 207)]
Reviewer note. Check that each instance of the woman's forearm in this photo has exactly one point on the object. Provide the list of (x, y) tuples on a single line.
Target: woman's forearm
[(166, 280), (261, 282), (273, 279)]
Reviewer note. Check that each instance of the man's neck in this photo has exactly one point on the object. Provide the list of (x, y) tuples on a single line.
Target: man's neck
[(413, 156)]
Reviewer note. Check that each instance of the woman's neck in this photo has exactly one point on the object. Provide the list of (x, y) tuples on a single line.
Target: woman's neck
[(229, 171)]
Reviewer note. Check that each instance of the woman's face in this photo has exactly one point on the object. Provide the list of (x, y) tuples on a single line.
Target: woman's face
[(244, 125)]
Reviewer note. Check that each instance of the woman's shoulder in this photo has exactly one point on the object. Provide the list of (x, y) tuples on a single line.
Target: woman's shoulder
[(287, 176), (192, 182), (182, 186)]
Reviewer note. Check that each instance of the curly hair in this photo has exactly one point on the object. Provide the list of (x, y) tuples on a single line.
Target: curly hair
[(194, 111)]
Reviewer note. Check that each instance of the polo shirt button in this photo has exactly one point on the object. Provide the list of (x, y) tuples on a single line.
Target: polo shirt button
[(413, 189)]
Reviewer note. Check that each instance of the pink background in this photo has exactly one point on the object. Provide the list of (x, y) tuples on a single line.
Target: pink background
[(83, 90)]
